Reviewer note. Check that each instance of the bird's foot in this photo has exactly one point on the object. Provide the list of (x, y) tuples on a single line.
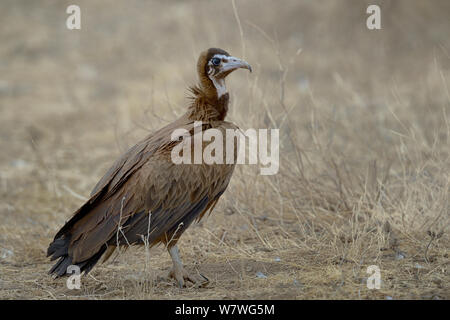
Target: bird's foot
[(181, 276)]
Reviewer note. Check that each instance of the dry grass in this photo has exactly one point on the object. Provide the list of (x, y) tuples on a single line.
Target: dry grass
[(365, 143)]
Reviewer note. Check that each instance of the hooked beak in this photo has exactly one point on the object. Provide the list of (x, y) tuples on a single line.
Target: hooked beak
[(234, 63)]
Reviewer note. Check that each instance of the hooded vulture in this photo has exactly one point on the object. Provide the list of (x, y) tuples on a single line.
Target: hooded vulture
[(146, 198)]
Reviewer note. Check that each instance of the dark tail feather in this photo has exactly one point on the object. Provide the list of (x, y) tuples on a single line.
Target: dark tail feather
[(59, 248), (60, 267)]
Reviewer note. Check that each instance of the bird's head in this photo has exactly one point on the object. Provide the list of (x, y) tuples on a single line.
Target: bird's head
[(214, 65)]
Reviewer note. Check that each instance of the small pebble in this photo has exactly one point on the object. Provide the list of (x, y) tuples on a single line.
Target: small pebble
[(5, 253), (400, 255), (261, 275), (19, 163)]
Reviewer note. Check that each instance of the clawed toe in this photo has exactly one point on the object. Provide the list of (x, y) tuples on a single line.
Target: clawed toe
[(179, 273), (181, 276)]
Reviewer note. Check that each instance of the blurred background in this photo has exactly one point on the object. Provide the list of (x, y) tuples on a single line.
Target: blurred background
[(364, 125)]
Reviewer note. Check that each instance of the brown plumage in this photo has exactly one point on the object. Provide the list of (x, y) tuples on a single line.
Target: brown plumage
[(144, 180)]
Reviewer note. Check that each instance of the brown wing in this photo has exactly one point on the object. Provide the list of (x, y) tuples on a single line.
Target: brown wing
[(143, 181), (173, 194), (123, 168)]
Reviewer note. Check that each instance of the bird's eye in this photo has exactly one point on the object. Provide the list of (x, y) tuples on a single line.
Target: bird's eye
[(215, 61)]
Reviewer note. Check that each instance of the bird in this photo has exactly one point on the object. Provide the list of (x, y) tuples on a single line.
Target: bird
[(146, 198)]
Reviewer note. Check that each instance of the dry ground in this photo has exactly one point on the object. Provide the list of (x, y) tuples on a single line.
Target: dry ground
[(364, 161)]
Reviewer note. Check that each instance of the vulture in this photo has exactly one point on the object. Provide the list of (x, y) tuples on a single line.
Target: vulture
[(147, 199)]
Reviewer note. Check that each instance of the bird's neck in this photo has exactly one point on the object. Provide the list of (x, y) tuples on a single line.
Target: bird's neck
[(219, 85), (207, 105), (212, 88)]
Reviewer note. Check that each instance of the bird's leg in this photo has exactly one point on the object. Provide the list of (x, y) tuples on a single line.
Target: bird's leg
[(180, 274)]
